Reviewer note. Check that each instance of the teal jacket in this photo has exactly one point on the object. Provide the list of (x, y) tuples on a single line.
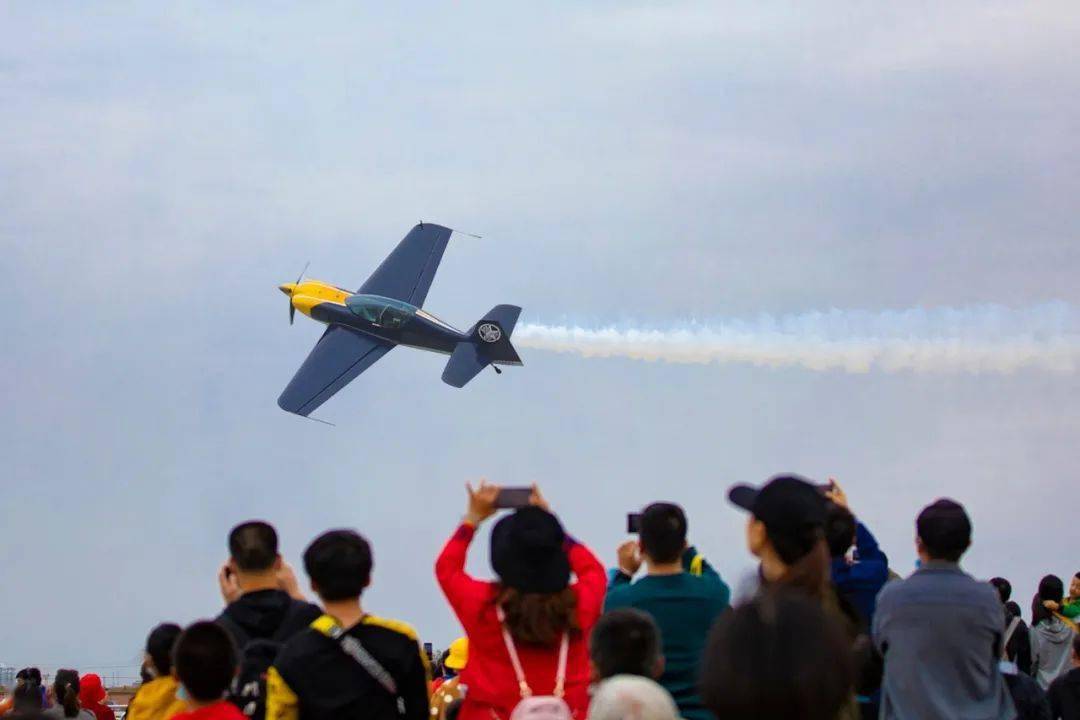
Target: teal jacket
[(685, 606)]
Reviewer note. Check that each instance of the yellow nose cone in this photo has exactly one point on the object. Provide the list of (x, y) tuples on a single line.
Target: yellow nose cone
[(288, 288)]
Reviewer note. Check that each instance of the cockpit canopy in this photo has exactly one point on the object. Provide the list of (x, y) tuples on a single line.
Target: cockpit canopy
[(381, 311)]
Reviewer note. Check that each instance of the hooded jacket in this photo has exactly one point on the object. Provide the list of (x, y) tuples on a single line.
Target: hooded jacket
[(266, 614), (156, 700), (1065, 696), (1051, 650)]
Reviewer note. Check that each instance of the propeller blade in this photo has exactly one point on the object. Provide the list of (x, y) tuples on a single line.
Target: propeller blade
[(301, 275), (292, 312)]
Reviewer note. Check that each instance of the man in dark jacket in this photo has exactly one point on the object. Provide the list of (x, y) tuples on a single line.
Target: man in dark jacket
[(1017, 639), (1065, 691), (264, 601), (348, 664)]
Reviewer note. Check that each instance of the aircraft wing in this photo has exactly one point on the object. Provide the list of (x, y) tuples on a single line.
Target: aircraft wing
[(340, 355), (407, 272)]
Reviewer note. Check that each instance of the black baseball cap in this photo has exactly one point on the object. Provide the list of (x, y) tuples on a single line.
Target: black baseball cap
[(787, 504)]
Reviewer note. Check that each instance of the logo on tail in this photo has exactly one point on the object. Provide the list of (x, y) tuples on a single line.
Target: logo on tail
[(489, 332)]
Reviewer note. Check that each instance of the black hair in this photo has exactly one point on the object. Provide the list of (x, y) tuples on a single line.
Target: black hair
[(1003, 587), (339, 564), (29, 673), (253, 545), (944, 529), (205, 660), (1050, 588), (663, 532), (66, 690), (27, 695), (625, 641), (159, 646), (839, 529), (779, 656)]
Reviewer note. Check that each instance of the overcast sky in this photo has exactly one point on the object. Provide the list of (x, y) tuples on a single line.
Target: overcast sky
[(164, 166)]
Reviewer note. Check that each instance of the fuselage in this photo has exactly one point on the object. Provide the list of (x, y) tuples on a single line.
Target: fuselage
[(392, 320)]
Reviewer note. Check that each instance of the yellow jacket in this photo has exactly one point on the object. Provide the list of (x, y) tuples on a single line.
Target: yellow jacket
[(156, 700)]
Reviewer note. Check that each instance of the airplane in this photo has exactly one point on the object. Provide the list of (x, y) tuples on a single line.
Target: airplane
[(386, 312)]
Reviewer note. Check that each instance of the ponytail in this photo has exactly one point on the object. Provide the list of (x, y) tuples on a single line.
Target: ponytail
[(70, 701), (66, 687), (810, 573)]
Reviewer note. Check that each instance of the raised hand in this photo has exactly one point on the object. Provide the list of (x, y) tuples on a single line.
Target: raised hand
[(629, 557), (227, 582), (837, 494), (538, 499), (481, 501), (287, 581)]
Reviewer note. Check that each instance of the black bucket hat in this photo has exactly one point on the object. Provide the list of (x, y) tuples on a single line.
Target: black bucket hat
[(528, 553)]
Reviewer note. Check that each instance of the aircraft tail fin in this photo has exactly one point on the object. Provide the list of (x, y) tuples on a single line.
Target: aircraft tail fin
[(488, 344)]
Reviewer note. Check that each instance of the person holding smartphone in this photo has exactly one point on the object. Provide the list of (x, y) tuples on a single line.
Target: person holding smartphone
[(682, 592), (547, 618)]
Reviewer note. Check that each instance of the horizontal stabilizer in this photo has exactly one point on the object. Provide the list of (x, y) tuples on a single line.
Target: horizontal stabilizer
[(465, 363)]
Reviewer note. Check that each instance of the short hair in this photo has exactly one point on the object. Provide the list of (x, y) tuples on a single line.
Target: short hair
[(1003, 587), (625, 641), (839, 529), (159, 646), (779, 656), (253, 545), (944, 529), (205, 660), (339, 564), (663, 532)]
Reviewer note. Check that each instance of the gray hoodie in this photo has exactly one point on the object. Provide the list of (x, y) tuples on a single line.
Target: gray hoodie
[(1051, 650)]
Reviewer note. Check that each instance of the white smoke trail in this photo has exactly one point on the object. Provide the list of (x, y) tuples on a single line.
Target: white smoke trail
[(980, 339)]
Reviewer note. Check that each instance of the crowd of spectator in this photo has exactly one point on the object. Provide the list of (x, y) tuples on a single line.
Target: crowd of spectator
[(822, 630)]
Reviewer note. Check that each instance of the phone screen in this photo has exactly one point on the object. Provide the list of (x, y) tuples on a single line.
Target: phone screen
[(513, 497), (633, 523)]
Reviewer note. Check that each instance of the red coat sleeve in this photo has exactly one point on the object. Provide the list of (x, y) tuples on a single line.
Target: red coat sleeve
[(591, 583), (466, 595)]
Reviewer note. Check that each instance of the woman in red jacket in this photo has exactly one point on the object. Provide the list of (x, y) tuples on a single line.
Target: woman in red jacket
[(533, 558)]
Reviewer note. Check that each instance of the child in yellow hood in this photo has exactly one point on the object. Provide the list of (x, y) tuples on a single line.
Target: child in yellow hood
[(156, 698)]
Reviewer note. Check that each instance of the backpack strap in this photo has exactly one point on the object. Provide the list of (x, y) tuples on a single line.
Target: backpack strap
[(352, 647), (1013, 624), (511, 649)]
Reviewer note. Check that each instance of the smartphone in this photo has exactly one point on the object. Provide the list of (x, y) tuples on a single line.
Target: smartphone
[(513, 497), (633, 523), (429, 651)]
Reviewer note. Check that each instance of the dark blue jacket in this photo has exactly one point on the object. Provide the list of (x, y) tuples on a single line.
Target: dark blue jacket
[(861, 581)]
